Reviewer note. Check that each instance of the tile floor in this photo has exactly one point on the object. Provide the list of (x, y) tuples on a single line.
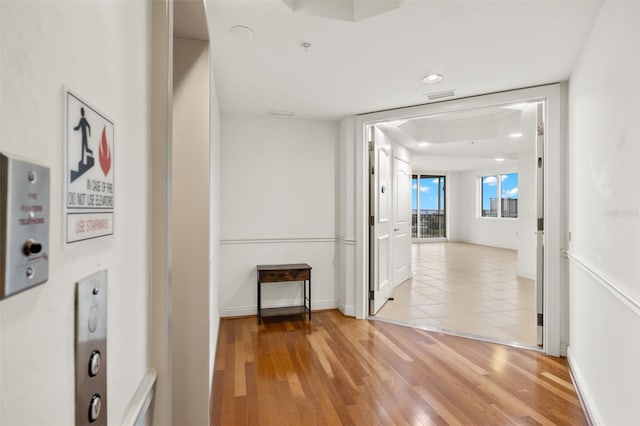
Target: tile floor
[(469, 289)]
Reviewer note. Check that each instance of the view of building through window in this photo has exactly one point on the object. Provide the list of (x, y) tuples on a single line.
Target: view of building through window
[(428, 206), (505, 205)]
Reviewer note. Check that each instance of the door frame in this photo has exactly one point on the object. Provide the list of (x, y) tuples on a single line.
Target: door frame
[(555, 235)]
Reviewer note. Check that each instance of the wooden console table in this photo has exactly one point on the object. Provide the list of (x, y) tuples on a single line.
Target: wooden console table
[(285, 273)]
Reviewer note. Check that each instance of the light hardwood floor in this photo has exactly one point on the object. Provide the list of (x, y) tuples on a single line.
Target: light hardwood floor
[(469, 289), (338, 370)]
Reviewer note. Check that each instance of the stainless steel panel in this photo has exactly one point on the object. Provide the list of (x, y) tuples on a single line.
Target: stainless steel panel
[(24, 225), (91, 350)]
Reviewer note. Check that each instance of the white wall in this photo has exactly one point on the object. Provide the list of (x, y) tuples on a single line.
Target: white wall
[(453, 200), (278, 206), (99, 50), (496, 232), (604, 218), (190, 230)]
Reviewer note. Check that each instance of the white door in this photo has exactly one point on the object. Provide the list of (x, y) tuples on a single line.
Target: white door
[(380, 211), (401, 221), (540, 224)]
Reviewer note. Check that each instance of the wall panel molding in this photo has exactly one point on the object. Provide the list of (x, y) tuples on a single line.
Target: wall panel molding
[(608, 283), (229, 241), (137, 411)]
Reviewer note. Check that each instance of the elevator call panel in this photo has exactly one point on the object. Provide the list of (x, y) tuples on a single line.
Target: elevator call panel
[(24, 225), (91, 350)]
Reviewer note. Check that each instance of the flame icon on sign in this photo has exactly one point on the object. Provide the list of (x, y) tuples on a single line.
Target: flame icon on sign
[(104, 153)]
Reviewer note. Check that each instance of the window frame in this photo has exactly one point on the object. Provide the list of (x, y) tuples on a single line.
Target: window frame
[(498, 176), (443, 198)]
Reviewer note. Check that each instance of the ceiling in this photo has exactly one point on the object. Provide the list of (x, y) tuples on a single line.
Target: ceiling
[(468, 140), (377, 63)]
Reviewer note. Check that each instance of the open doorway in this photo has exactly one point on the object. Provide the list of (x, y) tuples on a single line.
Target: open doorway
[(476, 206)]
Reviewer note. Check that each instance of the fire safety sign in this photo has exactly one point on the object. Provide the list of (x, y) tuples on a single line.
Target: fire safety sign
[(89, 171)]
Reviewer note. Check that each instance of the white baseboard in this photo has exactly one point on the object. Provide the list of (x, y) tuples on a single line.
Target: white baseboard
[(564, 348), (586, 400), (527, 275), (349, 311), (243, 311)]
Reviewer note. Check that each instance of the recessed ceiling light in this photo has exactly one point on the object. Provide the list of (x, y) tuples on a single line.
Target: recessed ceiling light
[(424, 144), (242, 32), (432, 79), (499, 159), (515, 135)]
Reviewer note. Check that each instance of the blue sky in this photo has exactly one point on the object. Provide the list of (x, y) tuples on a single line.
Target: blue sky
[(509, 186), (428, 194), (429, 190)]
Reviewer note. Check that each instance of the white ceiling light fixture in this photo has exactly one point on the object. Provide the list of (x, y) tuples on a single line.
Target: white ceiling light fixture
[(515, 135), (423, 144), (242, 32), (432, 78), (499, 160)]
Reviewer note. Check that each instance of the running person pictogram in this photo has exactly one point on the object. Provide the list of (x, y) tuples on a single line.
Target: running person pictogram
[(83, 125)]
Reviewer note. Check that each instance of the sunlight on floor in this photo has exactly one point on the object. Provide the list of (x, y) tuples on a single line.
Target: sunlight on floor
[(466, 288)]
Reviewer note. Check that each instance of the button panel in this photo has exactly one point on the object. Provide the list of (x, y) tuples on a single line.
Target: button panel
[(91, 350)]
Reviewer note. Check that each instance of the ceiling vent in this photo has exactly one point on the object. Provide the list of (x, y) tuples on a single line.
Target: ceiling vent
[(440, 95), (280, 113)]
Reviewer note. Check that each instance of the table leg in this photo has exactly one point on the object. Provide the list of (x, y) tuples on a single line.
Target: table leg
[(309, 295), (259, 309)]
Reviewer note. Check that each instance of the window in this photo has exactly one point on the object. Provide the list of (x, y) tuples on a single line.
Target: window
[(499, 196), (509, 195), (428, 206), (489, 196)]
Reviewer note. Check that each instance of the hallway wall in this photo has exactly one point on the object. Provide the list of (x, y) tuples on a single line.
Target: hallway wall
[(604, 218), (99, 50), (278, 206), (190, 229)]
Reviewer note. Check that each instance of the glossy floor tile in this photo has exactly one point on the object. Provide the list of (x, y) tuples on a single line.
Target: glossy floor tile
[(466, 288)]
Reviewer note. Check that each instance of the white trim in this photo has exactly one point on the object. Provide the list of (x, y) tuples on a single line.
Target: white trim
[(449, 332), (564, 348), (349, 311), (429, 240), (586, 400), (554, 236), (526, 275), (346, 241), (138, 408), (229, 241), (243, 311), (608, 283)]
